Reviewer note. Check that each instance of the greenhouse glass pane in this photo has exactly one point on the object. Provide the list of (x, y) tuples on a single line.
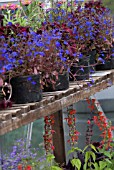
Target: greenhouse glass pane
[(8, 140), (37, 135)]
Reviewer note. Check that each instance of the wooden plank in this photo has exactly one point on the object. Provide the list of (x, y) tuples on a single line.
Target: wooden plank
[(58, 138), (54, 101)]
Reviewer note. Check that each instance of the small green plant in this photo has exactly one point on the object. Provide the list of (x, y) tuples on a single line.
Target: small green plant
[(93, 158)]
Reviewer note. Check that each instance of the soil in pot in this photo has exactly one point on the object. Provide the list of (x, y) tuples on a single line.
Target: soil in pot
[(80, 70), (26, 89), (61, 84)]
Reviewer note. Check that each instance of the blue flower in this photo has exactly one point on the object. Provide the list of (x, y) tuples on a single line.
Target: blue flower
[(10, 23), (63, 59), (74, 54), (25, 33), (65, 42), (107, 32), (82, 69), (74, 30), (77, 23), (76, 37), (57, 44), (12, 39), (41, 53), (1, 71), (14, 54), (59, 18), (2, 37), (67, 51), (81, 37), (93, 81), (86, 34), (59, 5), (105, 22), (5, 45), (36, 53), (14, 45), (101, 60), (8, 67), (80, 55), (29, 42), (39, 44), (20, 61), (69, 24), (93, 10), (112, 55), (33, 82), (33, 49), (3, 50), (81, 26), (29, 78)]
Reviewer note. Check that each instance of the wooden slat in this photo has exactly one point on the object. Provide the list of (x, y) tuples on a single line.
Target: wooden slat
[(58, 138), (22, 114)]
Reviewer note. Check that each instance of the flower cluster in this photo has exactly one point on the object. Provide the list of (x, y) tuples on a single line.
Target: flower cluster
[(103, 124), (71, 122), (106, 128), (21, 158), (9, 6), (48, 136), (61, 41), (20, 167), (94, 18), (25, 2), (27, 53)]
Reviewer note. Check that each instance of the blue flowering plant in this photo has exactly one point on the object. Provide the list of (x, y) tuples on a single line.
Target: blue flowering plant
[(84, 29), (101, 28), (29, 53)]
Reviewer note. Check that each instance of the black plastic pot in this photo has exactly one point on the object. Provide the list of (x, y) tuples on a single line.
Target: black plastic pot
[(112, 63), (26, 89), (107, 65), (112, 56), (92, 60), (61, 84), (80, 70)]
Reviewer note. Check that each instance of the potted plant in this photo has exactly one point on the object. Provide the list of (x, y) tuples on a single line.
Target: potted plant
[(80, 44), (30, 54)]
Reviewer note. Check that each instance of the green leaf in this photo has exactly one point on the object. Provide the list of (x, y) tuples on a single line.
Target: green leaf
[(108, 161), (77, 149), (50, 157), (107, 153), (85, 148), (93, 155), (76, 163), (96, 165), (102, 164), (71, 151), (87, 156), (84, 167), (93, 147)]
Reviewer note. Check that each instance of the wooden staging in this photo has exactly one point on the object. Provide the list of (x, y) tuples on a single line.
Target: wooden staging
[(52, 102)]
